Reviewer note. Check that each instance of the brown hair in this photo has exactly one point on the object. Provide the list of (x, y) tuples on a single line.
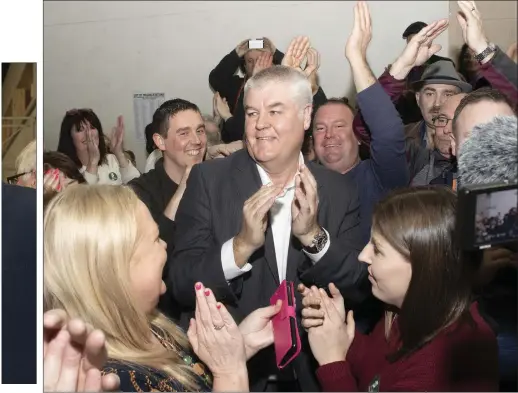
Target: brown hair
[(57, 160), (476, 96), (419, 223)]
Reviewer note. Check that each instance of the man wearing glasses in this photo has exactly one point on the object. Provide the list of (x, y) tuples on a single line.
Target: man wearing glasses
[(429, 148)]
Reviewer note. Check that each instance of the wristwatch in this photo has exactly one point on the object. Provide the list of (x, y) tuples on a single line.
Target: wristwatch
[(491, 48), (318, 243)]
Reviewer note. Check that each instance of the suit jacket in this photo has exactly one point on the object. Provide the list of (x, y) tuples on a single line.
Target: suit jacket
[(210, 213), (18, 285)]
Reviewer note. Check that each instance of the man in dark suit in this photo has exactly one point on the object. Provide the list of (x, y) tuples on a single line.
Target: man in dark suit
[(18, 285), (262, 215)]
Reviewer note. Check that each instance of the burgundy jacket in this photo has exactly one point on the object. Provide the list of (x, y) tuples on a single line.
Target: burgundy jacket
[(500, 72), (461, 358)]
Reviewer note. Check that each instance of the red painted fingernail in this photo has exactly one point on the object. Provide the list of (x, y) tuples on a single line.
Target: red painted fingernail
[(207, 292), (218, 306), (198, 286)]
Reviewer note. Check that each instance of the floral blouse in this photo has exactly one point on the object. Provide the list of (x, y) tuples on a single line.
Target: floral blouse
[(139, 378)]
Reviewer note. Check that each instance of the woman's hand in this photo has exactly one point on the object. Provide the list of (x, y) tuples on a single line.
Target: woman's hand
[(74, 355), (52, 180), (92, 146), (331, 340), (257, 329), (214, 335)]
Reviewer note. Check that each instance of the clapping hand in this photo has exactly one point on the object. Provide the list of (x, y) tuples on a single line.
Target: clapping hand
[(330, 338), (214, 335), (74, 355)]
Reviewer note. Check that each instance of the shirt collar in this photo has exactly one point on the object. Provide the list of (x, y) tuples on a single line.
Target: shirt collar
[(265, 179)]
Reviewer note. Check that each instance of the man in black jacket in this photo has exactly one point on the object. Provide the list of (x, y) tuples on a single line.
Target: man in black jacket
[(179, 132), (223, 79), (263, 215), (19, 285)]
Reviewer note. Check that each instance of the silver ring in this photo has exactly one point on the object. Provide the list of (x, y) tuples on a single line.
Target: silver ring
[(218, 327)]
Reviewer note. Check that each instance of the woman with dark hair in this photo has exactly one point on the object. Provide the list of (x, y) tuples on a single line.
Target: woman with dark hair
[(468, 67), (433, 337), (82, 139)]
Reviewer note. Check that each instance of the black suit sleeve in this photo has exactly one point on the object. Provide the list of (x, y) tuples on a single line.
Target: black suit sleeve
[(197, 255), (340, 264), (19, 307)]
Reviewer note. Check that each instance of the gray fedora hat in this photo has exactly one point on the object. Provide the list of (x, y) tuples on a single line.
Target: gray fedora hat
[(442, 72)]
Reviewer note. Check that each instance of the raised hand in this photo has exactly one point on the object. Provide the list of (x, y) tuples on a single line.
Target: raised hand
[(74, 355), (312, 66), (304, 208), (362, 32), (117, 137), (331, 341), (470, 21), (268, 45), (52, 180), (242, 48), (220, 106), (264, 61), (297, 51), (92, 145)]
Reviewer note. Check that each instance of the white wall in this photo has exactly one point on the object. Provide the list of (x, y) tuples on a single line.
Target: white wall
[(98, 53)]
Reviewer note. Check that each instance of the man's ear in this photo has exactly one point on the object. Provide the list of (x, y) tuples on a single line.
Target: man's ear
[(159, 141), (308, 109), (417, 96)]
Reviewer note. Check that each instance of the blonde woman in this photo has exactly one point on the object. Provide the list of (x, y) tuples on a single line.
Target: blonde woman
[(103, 264)]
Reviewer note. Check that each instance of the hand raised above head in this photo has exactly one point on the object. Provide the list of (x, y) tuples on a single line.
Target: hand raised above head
[(361, 34), (296, 52), (470, 21)]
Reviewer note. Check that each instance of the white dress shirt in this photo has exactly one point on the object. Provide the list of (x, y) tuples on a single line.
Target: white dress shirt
[(280, 218)]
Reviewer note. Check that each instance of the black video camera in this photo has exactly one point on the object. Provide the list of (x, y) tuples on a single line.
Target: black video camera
[(487, 216)]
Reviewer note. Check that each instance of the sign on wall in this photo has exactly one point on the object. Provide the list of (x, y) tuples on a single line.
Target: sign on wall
[(144, 106)]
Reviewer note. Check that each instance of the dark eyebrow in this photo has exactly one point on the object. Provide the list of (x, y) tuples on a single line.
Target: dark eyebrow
[(182, 129), (430, 89)]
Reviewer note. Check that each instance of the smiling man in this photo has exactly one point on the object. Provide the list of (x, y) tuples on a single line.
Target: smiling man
[(180, 135), (263, 215)]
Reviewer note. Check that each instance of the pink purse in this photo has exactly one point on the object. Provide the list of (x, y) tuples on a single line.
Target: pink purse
[(285, 331)]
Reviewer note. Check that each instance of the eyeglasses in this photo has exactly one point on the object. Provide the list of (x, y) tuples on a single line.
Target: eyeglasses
[(440, 121), (14, 179)]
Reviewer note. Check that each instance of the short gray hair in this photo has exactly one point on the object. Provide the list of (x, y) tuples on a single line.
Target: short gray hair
[(299, 83)]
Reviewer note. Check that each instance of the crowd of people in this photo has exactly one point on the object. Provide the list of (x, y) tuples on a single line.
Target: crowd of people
[(497, 227), (161, 280)]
